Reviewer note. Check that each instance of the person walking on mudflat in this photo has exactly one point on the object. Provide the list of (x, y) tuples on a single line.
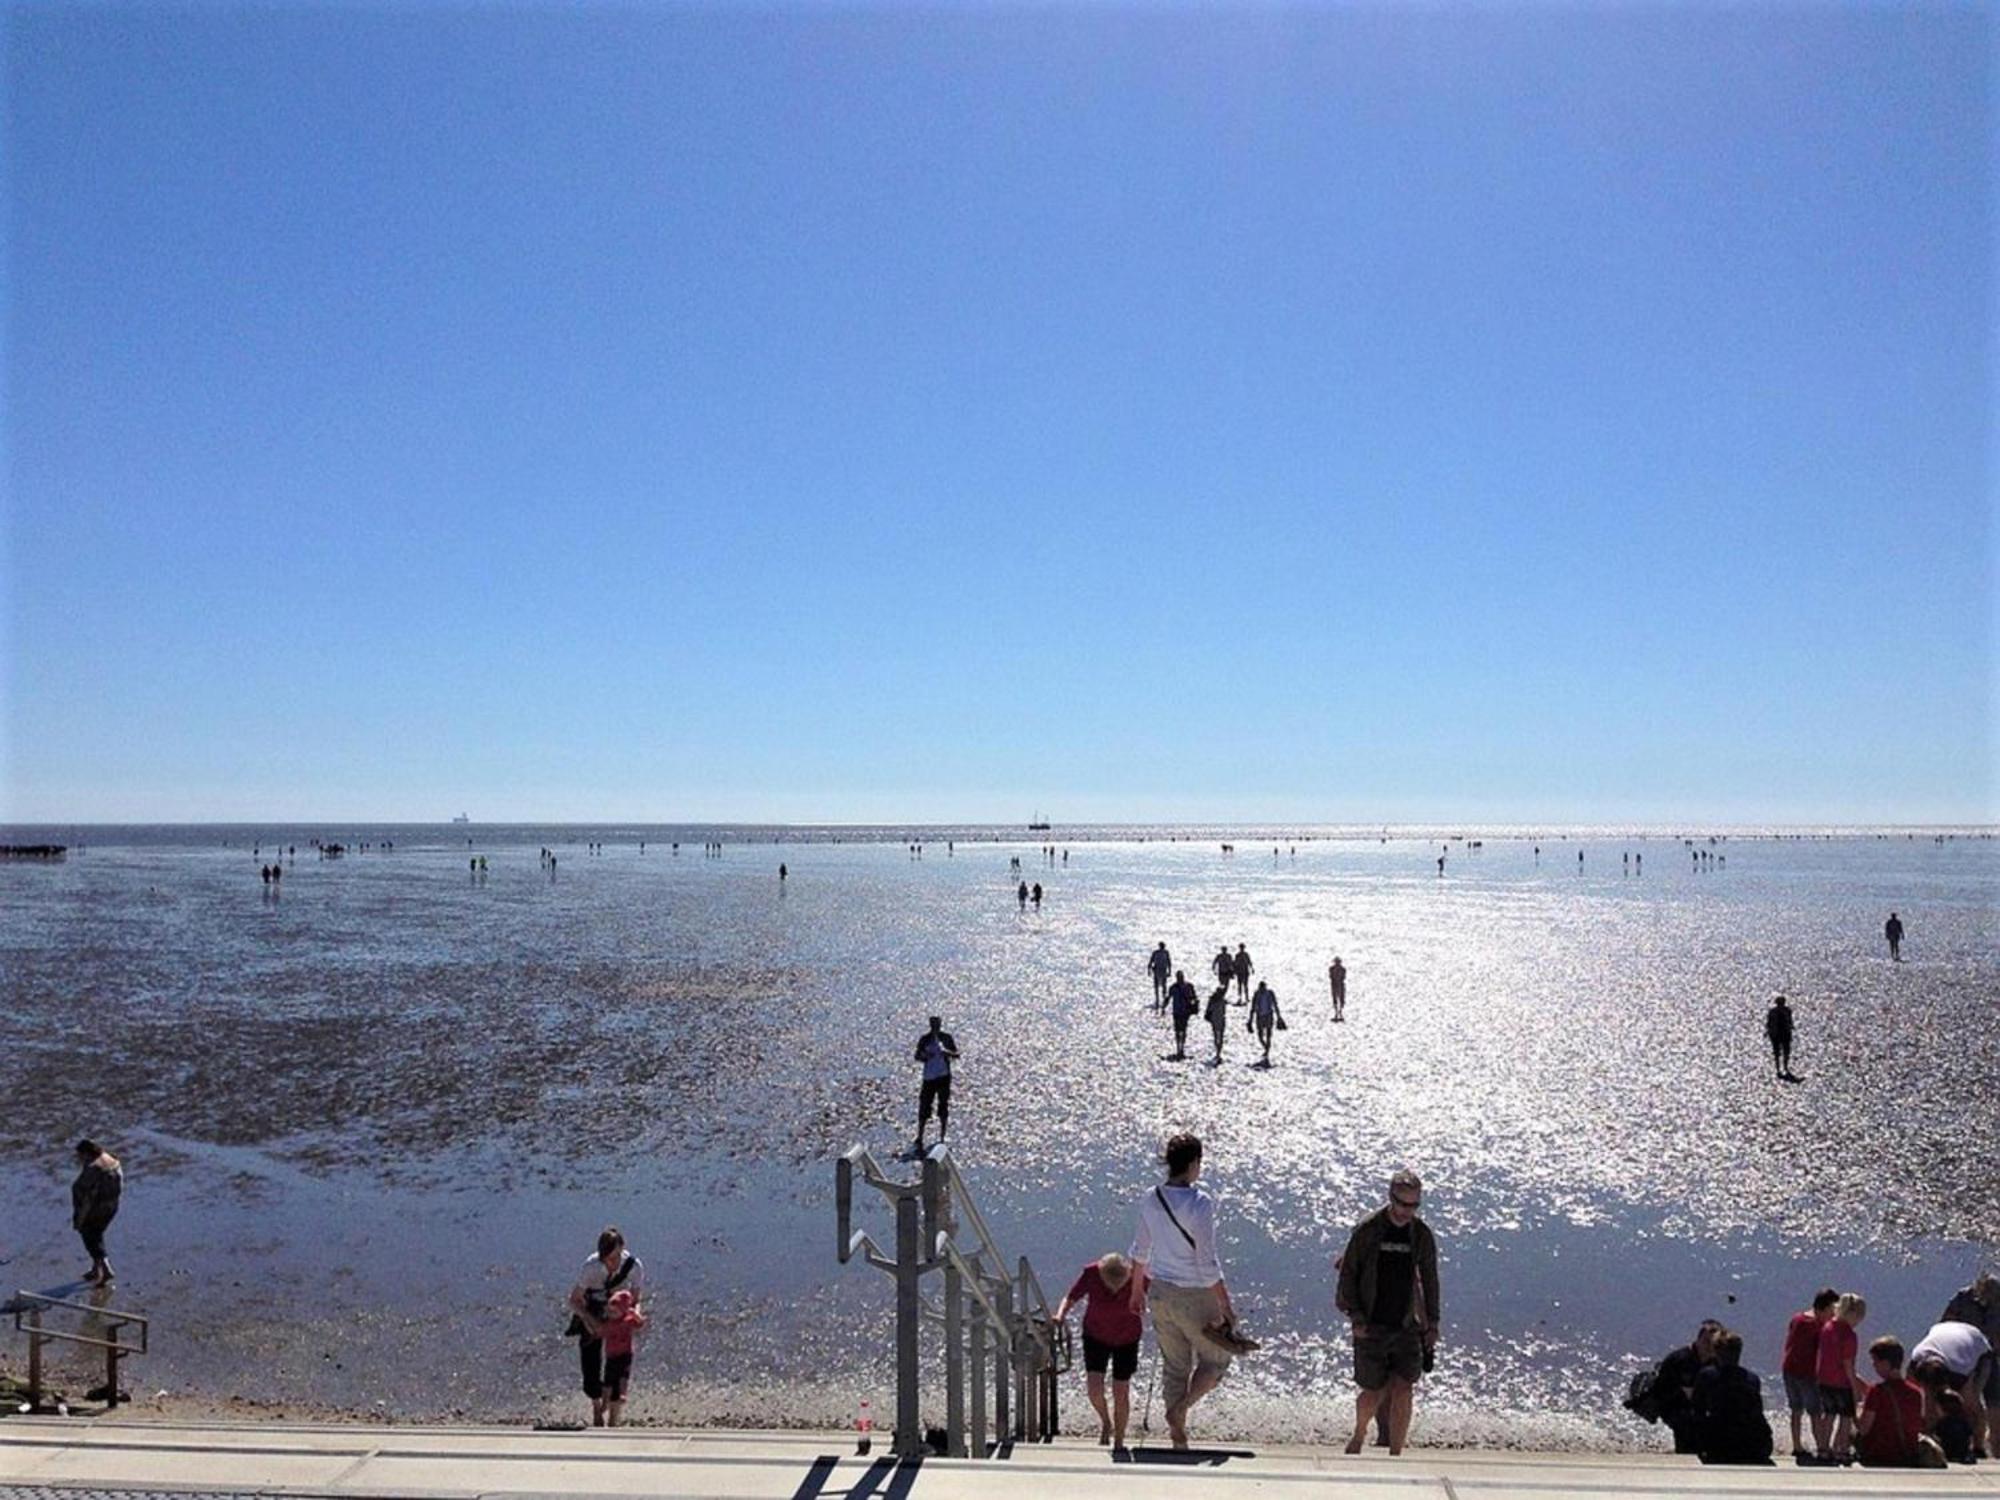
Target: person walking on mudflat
[(1388, 1287), (1893, 931), (1240, 966), (1778, 1031), (1184, 1001), (1176, 1265), (93, 1204), (936, 1050), (1162, 965), (1336, 979), (1217, 1016), (1264, 1018), (1224, 966)]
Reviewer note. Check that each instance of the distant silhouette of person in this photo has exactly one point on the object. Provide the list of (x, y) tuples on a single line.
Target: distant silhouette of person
[(1216, 1013), (1440, 866), (1893, 931), (1162, 965), (1182, 1000), (783, 874), (1336, 978), (1778, 1031), (1036, 895), (1264, 1017), (1240, 966), (1021, 895), (1224, 966)]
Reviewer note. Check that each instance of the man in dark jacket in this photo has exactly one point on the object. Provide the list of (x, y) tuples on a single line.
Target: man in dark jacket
[(1673, 1389), (1388, 1287), (1979, 1305), (93, 1204)]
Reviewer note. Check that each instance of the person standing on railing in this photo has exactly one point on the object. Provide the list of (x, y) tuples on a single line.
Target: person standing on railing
[(936, 1050), (1112, 1328), (1179, 1276), (93, 1200)]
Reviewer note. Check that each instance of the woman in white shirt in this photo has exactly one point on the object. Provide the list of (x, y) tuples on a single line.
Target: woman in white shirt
[(1180, 1278)]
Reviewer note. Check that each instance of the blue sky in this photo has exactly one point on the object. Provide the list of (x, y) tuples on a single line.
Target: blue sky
[(851, 412)]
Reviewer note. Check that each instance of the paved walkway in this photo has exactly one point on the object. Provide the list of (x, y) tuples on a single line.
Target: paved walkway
[(56, 1459)]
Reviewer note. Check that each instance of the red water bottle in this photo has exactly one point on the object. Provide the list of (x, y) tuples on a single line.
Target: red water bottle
[(864, 1428)]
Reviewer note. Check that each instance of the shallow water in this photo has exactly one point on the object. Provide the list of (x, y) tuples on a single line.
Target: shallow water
[(371, 1125)]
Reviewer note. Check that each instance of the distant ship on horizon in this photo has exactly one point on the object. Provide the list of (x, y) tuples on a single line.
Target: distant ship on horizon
[(461, 818), (1040, 824)]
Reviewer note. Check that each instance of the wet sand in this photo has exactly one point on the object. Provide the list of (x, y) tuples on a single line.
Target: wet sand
[(371, 1127)]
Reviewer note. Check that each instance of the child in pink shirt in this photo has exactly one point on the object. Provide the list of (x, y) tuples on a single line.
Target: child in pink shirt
[(622, 1320)]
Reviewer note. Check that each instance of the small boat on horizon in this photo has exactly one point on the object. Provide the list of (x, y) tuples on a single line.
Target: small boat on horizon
[(461, 818), (1040, 825)]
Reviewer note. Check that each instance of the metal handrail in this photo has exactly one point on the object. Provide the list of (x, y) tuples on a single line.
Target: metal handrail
[(28, 1308), (980, 1299)]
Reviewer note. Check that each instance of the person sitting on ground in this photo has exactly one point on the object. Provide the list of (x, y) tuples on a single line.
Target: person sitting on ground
[(1833, 1428), (1951, 1429), (1892, 1413), (1728, 1405), (1956, 1357), (1673, 1386), (1801, 1361), (1112, 1329), (620, 1325)]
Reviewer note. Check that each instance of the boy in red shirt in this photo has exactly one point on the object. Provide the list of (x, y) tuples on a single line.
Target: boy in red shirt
[(1892, 1414), (1800, 1367), (1833, 1428), (622, 1320), (1112, 1328)]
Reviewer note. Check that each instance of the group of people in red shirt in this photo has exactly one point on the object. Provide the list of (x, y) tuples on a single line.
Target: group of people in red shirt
[(1926, 1410)]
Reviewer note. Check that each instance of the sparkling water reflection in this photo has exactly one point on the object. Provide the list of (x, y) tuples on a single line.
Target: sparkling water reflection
[(389, 1106)]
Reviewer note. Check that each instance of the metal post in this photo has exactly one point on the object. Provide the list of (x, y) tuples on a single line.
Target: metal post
[(978, 1370), (938, 1219), (35, 1357), (954, 1362), (111, 1371), (909, 1441), (843, 1197), (1003, 1360)]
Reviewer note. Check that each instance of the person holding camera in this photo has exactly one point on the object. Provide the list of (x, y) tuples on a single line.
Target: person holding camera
[(1388, 1287)]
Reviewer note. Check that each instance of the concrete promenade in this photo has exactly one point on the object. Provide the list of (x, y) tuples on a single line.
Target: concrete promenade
[(57, 1459)]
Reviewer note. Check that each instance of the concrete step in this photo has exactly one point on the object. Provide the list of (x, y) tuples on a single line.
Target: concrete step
[(57, 1459)]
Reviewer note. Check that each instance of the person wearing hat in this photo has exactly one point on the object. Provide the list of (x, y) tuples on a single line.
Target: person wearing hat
[(1112, 1329)]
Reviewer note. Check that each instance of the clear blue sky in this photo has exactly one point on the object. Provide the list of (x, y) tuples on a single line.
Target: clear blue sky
[(852, 412)]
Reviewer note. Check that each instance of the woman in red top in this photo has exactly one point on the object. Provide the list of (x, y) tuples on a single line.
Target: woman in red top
[(1112, 1329), (1833, 1428)]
